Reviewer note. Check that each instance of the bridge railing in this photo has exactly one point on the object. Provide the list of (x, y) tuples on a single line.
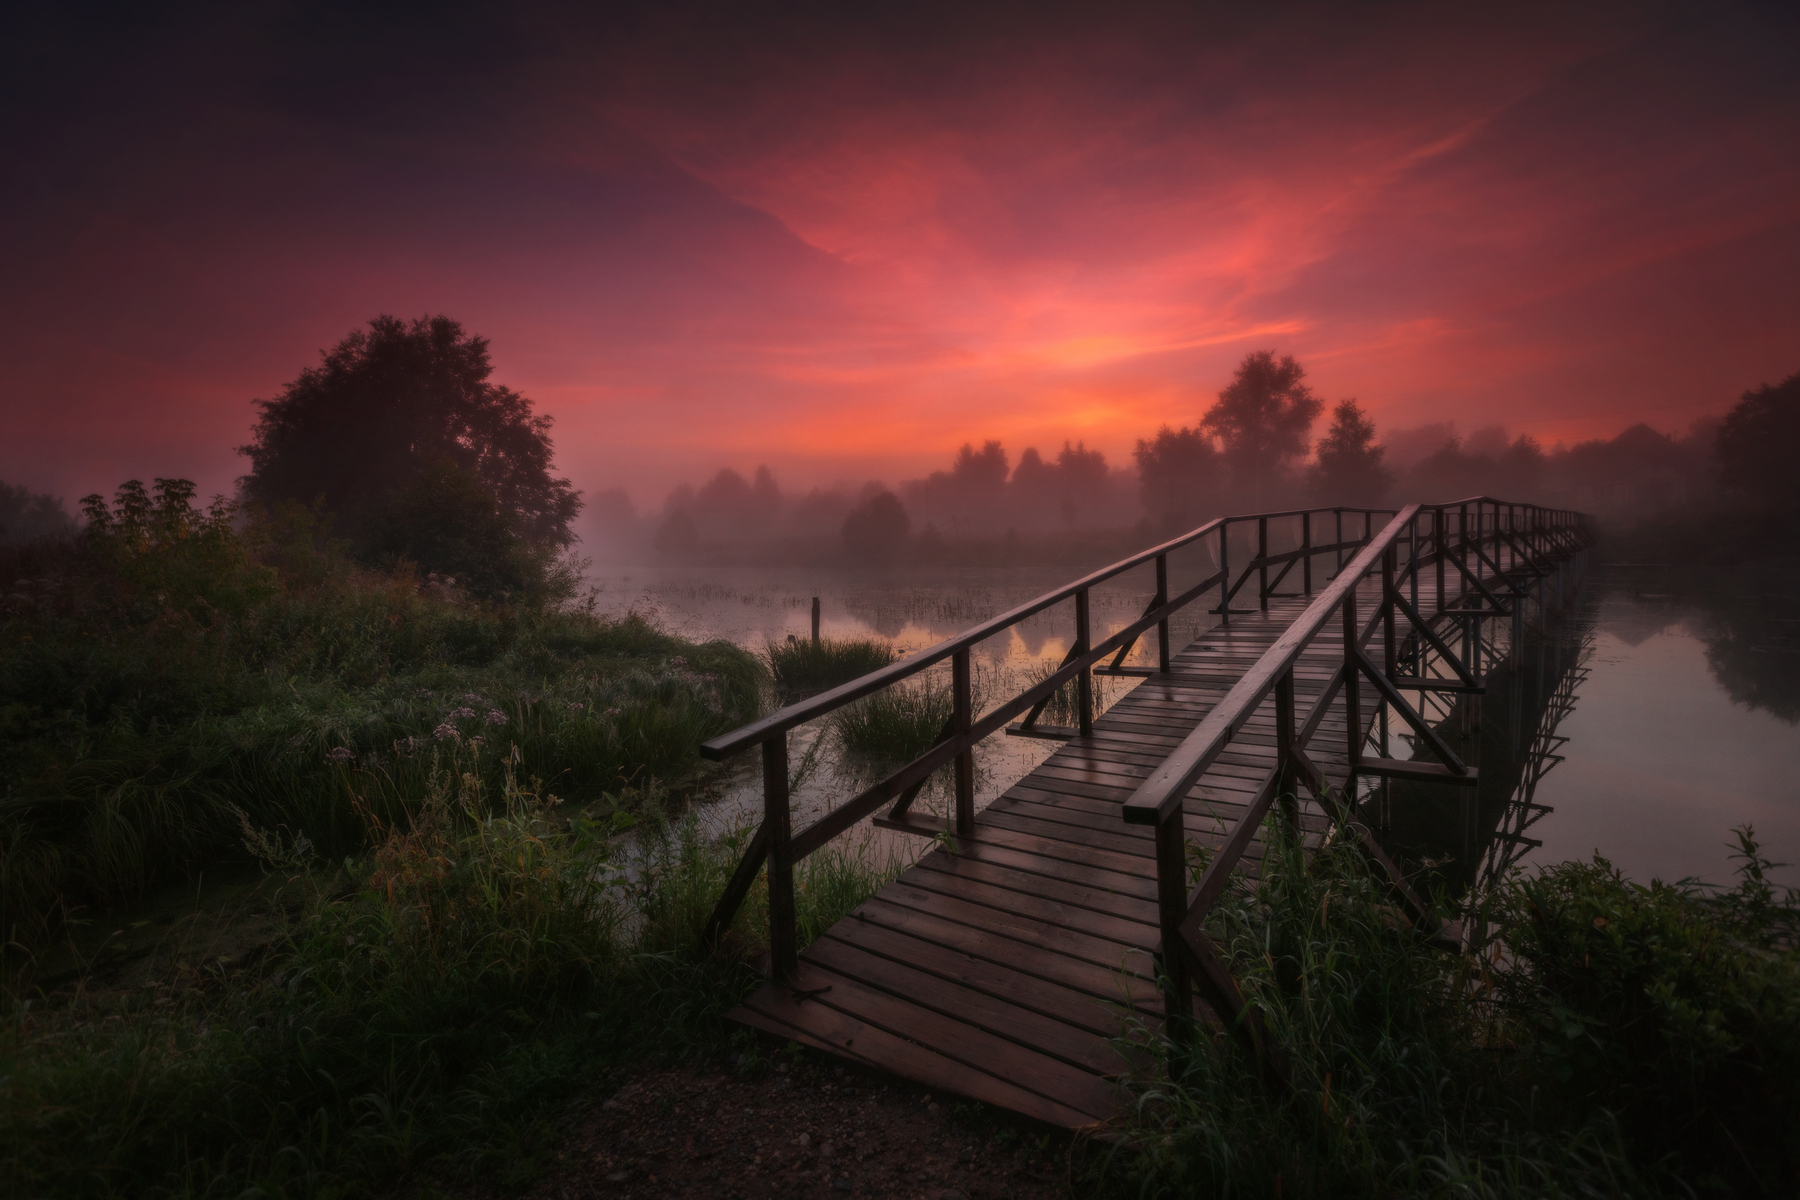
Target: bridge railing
[(1488, 544), (778, 844)]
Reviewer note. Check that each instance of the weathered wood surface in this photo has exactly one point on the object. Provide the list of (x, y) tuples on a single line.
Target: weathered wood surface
[(1007, 970)]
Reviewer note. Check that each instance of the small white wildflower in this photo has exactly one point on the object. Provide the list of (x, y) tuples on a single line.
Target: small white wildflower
[(477, 742), (472, 698), (494, 717), (463, 714), (577, 706), (341, 754), (612, 712), (445, 732), (678, 661)]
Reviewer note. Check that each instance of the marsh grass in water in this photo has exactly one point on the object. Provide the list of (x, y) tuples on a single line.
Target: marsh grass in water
[(903, 720), (802, 665), (492, 956), (1614, 1040)]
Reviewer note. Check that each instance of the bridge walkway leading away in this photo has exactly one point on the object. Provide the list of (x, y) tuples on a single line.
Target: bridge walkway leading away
[(1004, 969), (1016, 962)]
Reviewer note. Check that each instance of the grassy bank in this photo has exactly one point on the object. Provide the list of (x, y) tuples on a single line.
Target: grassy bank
[(162, 688), (802, 665), (1614, 1039), (489, 958)]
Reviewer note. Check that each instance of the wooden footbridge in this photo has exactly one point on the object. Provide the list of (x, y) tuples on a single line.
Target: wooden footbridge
[(1007, 962)]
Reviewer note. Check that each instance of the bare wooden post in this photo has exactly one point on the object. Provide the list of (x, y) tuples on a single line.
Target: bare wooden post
[(1162, 626), (1084, 686), (1171, 908), (1224, 572), (1284, 749), (815, 620), (1339, 539), (783, 955), (965, 761), (1306, 549)]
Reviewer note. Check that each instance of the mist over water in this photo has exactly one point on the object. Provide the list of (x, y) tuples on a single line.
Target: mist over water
[(1685, 719)]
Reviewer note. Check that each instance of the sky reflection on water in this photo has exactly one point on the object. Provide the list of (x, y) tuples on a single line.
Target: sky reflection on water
[(1662, 758)]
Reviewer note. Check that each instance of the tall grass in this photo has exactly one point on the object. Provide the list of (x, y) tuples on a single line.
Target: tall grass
[(493, 957), (800, 665), (901, 721), (1406, 1071), (151, 687)]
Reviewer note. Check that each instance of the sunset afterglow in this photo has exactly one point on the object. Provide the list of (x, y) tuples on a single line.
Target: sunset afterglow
[(844, 250)]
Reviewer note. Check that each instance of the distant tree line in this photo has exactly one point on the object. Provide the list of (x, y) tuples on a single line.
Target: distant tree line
[(1254, 449)]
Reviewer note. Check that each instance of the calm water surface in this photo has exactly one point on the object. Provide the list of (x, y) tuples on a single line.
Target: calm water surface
[(1684, 716)]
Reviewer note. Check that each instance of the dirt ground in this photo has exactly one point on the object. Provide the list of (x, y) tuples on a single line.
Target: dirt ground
[(802, 1128)]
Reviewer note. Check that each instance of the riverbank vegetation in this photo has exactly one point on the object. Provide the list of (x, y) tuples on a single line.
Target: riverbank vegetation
[(177, 672), (1610, 1038)]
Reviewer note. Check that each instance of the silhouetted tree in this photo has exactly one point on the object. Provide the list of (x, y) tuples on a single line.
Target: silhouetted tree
[(1263, 418), (1178, 476), (27, 516), (389, 404), (1759, 444), (877, 527), (1080, 478), (1348, 469)]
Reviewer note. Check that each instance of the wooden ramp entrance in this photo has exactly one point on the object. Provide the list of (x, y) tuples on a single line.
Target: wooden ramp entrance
[(1010, 965)]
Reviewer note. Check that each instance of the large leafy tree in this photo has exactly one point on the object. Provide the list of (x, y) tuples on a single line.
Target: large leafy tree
[(1759, 443), (1262, 419), (381, 415), (1348, 468)]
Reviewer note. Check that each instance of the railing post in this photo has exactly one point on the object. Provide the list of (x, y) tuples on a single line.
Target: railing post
[(1262, 572), (815, 616), (1162, 626), (1437, 541), (1084, 686), (1352, 682), (1390, 651), (1171, 908), (963, 716), (1224, 572), (1306, 551), (783, 955), (1284, 748)]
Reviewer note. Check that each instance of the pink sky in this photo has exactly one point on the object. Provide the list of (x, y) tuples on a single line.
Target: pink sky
[(844, 250)]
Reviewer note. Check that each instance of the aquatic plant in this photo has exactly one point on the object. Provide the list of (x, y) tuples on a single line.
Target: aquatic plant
[(803, 665)]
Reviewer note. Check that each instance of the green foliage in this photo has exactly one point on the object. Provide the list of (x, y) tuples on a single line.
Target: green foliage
[(450, 523), (1674, 1006), (179, 670), (491, 959), (806, 666), (1399, 1069)]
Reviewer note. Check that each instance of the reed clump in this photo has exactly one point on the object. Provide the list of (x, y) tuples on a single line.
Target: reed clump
[(802, 665), (901, 721), (490, 955)]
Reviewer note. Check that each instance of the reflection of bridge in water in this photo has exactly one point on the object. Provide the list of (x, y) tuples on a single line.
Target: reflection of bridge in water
[(1509, 732), (997, 966)]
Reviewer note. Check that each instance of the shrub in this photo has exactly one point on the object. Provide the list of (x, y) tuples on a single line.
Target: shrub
[(898, 723), (1674, 1006)]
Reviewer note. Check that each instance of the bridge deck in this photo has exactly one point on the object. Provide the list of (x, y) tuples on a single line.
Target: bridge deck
[(1007, 971)]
